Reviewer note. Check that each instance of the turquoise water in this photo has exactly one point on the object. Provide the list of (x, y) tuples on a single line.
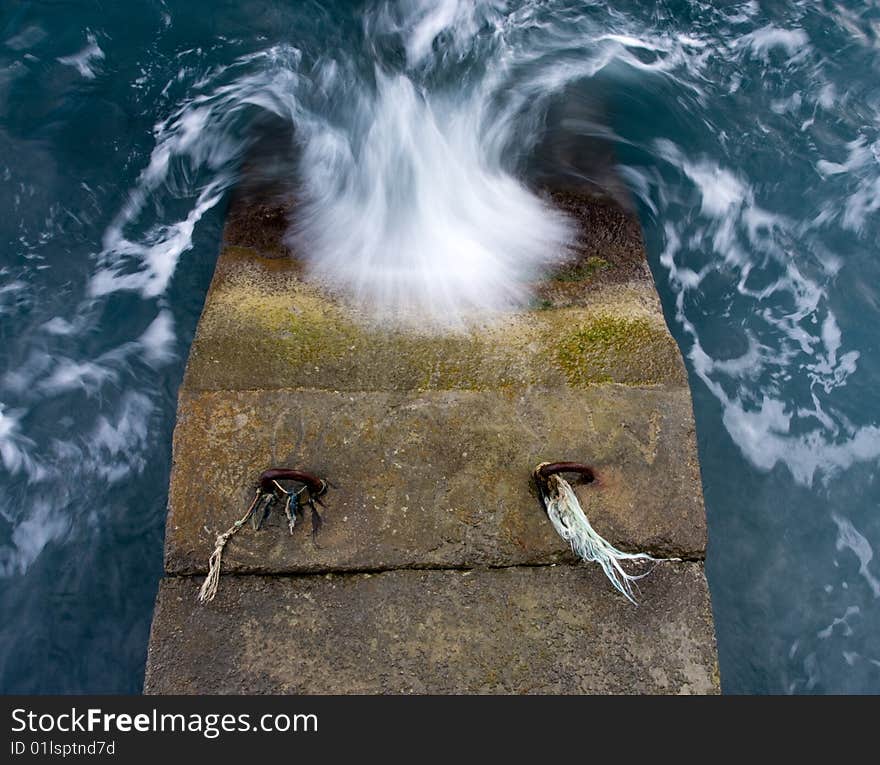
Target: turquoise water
[(748, 133)]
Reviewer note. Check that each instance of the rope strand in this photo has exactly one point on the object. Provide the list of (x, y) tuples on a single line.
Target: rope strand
[(212, 580), (571, 523), (269, 491)]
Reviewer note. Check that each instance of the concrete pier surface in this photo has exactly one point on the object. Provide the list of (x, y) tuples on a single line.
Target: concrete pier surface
[(436, 570)]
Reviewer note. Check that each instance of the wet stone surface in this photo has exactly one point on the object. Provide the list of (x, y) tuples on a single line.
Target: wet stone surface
[(436, 569), (431, 480), (515, 630), (264, 327)]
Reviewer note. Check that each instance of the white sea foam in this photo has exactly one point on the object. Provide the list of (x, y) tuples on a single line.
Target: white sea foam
[(862, 164), (8, 294), (412, 206), (763, 41), (840, 621), (766, 438), (69, 374), (421, 22), (42, 525), (13, 444), (850, 538), (85, 60), (157, 254), (767, 428), (158, 339), (116, 448), (58, 325)]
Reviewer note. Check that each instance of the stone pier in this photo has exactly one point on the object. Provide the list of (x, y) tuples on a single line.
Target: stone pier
[(436, 570)]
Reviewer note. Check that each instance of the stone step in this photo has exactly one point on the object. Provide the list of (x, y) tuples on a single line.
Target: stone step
[(264, 327), (554, 630), (439, 479)]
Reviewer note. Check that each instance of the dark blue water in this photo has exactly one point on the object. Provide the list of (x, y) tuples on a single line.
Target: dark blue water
[(748, 132)]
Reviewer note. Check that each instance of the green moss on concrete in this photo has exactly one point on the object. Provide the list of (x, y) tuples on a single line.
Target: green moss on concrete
[(582, 271), (235, 251), (297, 337), (620, 349), (264, 326)]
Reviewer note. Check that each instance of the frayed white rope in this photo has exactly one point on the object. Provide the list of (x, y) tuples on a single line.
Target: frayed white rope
[(212, 580), (571, 523)]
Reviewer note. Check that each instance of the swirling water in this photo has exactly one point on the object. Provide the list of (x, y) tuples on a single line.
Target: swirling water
[(747, 132)]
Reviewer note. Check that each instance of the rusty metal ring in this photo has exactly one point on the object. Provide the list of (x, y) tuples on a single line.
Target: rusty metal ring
[(317, 486), (551, 468)]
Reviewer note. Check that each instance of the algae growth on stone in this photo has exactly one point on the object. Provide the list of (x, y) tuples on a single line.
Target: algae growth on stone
[(619, 349)]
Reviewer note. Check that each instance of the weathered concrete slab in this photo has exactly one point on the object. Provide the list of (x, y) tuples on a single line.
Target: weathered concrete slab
[(519, 630), (609, 251), (597, 319), (438, 479), (263, 327), (435, 569)]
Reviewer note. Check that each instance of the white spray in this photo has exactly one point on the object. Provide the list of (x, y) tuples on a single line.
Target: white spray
[(414, 217)]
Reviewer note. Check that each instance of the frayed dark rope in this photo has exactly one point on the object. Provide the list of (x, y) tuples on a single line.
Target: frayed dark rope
[(268, 492)]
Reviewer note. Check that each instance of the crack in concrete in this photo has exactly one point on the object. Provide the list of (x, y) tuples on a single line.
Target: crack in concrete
[(257, 571)]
